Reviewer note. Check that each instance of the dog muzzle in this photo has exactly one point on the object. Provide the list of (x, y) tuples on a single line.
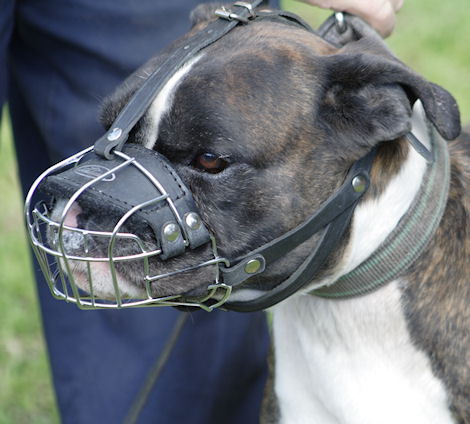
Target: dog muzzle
[(137, 188), (151, 214)]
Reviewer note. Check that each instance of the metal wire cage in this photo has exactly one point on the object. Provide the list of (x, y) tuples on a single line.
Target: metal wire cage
[(48, 233)]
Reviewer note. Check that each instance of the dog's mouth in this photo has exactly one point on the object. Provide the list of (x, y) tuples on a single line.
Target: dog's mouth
[(127, 228), (127, 266)]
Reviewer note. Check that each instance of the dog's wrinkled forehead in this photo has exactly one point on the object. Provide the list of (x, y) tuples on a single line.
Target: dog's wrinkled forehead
[(219, 92), (266, 84)]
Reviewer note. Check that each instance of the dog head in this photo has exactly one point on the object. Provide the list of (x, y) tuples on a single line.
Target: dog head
[(262, 127)]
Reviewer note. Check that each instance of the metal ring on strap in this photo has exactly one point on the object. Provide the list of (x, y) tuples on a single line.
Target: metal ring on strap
[(248, 6), (341, 25), (229, 15)]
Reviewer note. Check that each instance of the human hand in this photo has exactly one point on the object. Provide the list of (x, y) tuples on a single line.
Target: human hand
[(378, 13)]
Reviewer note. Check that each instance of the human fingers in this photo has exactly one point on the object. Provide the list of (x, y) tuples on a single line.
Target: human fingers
[(380, 14)]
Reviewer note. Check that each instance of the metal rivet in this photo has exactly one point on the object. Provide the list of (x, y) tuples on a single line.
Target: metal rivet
[(340, 22), (171, 231), (359, 183), (252, 266), (193, 221), (114, 134), (186, 47)]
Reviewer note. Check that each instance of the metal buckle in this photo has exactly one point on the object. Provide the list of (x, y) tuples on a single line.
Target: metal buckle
[(340, 22), (248, 6), (231, 16)]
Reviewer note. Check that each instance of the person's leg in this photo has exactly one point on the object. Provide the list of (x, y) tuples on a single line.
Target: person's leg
[(65, 57), (6, 26)]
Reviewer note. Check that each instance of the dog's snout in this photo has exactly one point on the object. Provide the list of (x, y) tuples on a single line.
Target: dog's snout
[(71, 213), (71, 217)]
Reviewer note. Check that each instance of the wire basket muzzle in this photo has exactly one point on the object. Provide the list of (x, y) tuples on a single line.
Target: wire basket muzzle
[(139, 188), (142, 183)]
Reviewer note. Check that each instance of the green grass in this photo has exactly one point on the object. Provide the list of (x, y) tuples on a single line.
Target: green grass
[(26, 394), (431, 36)]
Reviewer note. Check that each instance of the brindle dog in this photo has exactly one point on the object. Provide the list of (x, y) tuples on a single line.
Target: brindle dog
[(263, 127)]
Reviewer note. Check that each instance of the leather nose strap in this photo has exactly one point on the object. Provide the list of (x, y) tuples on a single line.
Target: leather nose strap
[(146, 176)]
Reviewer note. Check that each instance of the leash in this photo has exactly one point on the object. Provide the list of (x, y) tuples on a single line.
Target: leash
[(142, 397)]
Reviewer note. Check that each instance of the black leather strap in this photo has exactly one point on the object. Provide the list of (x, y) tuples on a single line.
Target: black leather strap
[(128, 187), (305, 273), (334, 216), (118, 133)]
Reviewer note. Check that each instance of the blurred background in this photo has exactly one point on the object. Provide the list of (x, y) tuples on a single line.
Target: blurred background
[(432, 36)]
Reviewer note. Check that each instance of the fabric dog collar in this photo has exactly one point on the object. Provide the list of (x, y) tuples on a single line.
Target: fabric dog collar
[(409, 238)]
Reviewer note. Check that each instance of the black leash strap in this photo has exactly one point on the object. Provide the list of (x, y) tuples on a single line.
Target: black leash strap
[(118, 133)]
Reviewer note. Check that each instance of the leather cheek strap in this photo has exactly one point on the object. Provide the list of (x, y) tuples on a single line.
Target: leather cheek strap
[(333, 218)]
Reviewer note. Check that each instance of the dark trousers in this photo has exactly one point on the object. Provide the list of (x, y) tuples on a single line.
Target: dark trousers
[(64, 57)]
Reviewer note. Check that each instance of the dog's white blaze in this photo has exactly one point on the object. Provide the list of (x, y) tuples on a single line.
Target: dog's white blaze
[(352, 362), (163, 102), (100, 271), (375, 219)]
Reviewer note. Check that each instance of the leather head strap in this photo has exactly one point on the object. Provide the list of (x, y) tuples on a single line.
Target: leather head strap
[(119, 131)]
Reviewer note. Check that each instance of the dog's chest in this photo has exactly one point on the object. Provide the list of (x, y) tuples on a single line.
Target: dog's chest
[(352, 362)]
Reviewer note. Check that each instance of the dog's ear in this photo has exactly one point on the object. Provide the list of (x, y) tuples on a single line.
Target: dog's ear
[(368, 93), (204, 12)]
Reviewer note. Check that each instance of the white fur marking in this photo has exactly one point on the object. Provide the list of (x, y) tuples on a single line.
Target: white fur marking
[(375, 219), (352, 362), (243, 295), (164, 100)]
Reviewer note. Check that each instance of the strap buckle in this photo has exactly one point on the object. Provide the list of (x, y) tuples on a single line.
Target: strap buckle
[(229, 15), (340, 22), (247, 6)]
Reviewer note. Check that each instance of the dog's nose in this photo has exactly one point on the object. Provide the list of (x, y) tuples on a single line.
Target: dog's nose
[(139, 187), (72, 215)]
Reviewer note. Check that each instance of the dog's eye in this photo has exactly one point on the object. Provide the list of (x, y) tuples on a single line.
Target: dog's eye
[(210, 162)]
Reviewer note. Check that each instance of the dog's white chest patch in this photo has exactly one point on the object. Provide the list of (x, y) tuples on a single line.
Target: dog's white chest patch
[(352, 362)]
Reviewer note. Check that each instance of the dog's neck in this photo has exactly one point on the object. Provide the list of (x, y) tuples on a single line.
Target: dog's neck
[(377, 216), (333, 356)]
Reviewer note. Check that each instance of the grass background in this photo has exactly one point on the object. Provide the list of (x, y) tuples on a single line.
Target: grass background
[(432, 36)]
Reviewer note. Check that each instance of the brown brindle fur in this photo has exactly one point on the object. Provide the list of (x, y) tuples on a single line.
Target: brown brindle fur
[(437, 292)]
